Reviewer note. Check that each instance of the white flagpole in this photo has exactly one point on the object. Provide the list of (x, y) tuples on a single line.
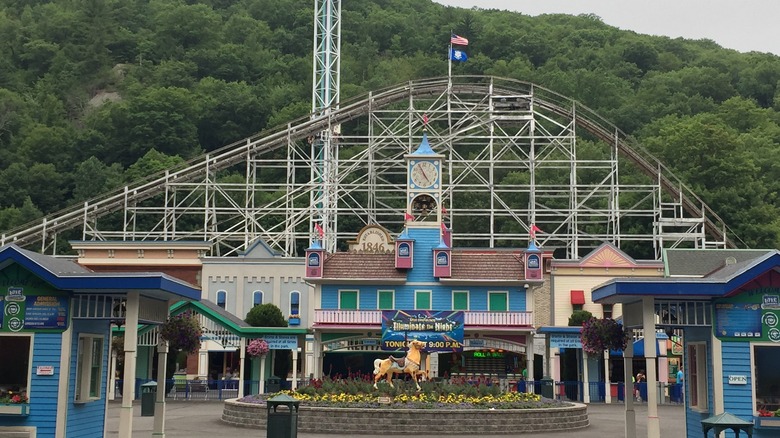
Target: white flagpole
[(449, 64)]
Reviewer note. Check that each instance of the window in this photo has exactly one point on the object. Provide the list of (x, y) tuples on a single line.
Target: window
[(14, 374), (386, 300), (422, 299), (348, 299), (697, 376), (221, 298), (497, 302), (766, 380), (606, 309), (257, 298), (295, 303), (460, 300), (89, 367)]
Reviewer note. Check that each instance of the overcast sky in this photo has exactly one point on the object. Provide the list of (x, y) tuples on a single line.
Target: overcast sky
[(743, 25)]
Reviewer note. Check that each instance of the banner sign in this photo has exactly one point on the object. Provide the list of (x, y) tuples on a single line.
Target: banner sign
[(565, 340), (750, 316), (281, 342), (440, 330), (27, 309)]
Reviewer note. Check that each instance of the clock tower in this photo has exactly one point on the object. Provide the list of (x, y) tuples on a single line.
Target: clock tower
[(423, 187)]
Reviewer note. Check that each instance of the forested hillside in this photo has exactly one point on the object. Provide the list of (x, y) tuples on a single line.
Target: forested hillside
[(97, 93)]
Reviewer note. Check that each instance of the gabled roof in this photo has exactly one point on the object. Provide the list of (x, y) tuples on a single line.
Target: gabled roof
[(487, 266), (700, 262), (468, 265), (364, 267), (718, 284), (607, 255), (66, 274), (229, 321)]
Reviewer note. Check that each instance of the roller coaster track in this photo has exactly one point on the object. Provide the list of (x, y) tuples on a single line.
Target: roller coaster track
[(539, 131)]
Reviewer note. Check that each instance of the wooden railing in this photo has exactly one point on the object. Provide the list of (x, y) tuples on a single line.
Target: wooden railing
[(374, 317)]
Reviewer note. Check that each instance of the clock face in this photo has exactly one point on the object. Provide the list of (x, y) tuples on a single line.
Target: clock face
[(424, 174)]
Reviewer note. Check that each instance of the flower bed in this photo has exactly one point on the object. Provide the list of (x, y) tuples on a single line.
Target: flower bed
[(353, 407)]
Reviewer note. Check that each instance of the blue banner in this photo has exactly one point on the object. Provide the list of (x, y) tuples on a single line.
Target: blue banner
[(440, 330), (458, 55)]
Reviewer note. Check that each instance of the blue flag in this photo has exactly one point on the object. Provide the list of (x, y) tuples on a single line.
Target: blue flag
[(458, 55)]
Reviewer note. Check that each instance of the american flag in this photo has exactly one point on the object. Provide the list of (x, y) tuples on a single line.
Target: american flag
[(455, 39)]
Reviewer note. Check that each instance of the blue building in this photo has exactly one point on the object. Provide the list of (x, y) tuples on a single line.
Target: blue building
[(55, 322), (385, 290), (727, 304)]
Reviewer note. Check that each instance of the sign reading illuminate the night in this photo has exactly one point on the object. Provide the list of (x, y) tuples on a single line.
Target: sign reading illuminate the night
[(441, 331)]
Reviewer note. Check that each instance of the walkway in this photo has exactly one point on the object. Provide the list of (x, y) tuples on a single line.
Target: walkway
[(196, 419)]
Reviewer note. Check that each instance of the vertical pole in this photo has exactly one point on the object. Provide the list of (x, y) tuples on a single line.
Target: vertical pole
[(651, 354), (628, 388), (159, 404), (294, 384), (241, 367), (128, 386)]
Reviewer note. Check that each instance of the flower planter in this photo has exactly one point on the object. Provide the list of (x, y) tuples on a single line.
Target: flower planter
[(768, 423), (14, 409), (294, 321)]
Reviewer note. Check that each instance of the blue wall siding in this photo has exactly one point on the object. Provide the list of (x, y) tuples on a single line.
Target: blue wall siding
[(441, 296), (738, 399), (42, 389), (424, 241), (87, 419), (693, 418)]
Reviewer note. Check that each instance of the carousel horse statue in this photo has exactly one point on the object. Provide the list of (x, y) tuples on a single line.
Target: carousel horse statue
[(409, 365)]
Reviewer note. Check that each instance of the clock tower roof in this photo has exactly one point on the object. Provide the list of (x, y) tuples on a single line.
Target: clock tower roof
[(424, 148)]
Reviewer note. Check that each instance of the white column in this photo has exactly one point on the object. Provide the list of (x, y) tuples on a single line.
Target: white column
[(294, 384), (262, 374), (529, 363), (111, 370), (585, 377), (308, 345), (648, 324), (159, 404), (628, 392), (241, 367), (128, 386), (607, 381)]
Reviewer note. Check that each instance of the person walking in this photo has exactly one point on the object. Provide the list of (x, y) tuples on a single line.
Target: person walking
[(640, 380)]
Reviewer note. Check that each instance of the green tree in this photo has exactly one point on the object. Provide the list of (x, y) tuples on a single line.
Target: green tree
[(579, 317), (266, 315)]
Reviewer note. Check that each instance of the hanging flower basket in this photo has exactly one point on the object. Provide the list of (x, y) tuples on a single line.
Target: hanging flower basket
[(599, 335), (182, 332), (257, 348)]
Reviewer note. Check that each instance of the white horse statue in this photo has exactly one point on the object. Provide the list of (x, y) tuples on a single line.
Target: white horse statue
[(409, 365)]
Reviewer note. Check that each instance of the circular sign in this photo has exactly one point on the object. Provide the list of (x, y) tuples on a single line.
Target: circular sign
[(12, 308), (770, 319), (15, 324), (774, 335)]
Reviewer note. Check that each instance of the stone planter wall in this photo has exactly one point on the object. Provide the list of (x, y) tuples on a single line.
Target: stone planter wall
[(427, 421)]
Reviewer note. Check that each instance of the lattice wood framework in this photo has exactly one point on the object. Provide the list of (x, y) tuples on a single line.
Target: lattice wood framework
[(516, 154)]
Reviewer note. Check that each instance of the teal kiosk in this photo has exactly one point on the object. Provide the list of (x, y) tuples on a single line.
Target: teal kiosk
[(55, 322)]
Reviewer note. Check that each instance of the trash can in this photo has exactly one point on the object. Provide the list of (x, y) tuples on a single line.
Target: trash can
[(148, 396), (548, 388), (273, 384), (282, 417)]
